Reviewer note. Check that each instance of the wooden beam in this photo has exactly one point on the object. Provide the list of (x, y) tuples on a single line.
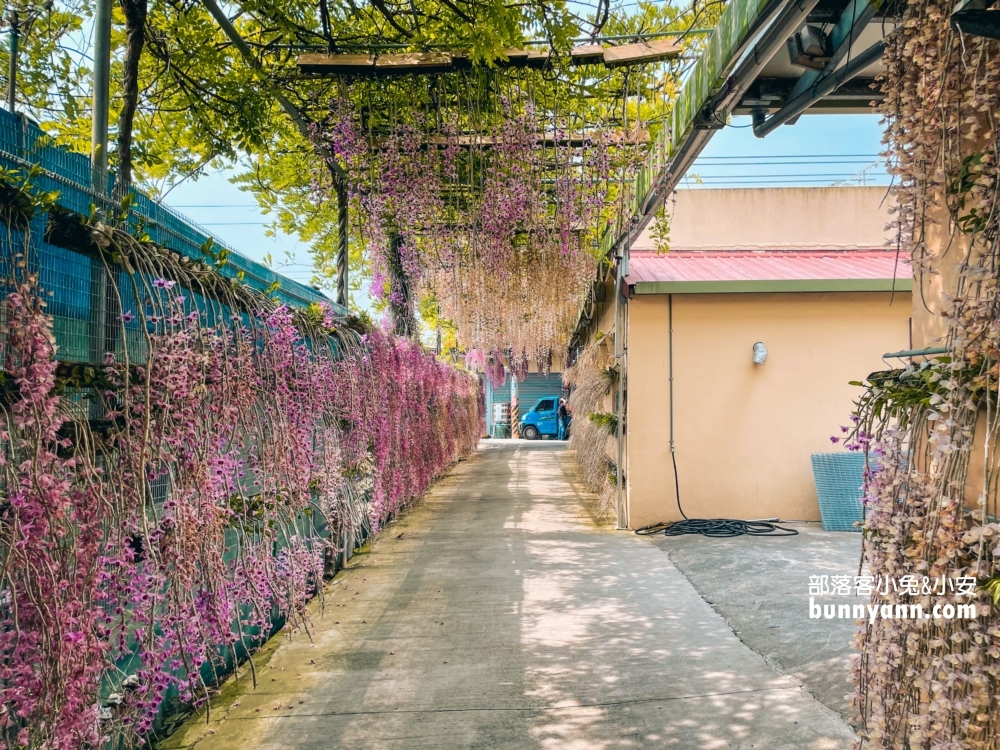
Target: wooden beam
[(336, 64), (588, 54), (537, 60), (442, 62), (641, 52), (414, 62), (516, 58)]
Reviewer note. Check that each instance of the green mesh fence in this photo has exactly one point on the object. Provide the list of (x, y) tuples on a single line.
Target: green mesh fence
[(74, 284), (77, 294)]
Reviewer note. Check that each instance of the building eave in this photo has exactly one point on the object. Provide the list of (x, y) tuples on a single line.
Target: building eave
[(758, 286)]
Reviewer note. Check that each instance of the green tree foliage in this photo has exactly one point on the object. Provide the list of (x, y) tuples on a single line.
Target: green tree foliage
[(201, 106), (53, 80)]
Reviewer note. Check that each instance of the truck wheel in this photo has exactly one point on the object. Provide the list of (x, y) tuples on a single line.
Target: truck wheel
[(530, 432)]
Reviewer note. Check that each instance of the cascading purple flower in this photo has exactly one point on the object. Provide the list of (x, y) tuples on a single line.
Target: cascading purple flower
[(520, 237), (231, 448)]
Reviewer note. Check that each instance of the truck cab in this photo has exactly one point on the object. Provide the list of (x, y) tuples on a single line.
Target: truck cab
[(541, 419)]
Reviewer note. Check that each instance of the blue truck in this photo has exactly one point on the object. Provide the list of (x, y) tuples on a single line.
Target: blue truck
[(541, 420)]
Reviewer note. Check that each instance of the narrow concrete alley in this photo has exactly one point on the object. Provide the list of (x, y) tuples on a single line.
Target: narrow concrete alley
[(497, 614)]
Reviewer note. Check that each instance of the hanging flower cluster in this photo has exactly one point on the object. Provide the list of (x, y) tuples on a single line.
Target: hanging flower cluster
[(163, 506), (498, 221), (929, 430), (932, 682), (591, 379), (51, 635)]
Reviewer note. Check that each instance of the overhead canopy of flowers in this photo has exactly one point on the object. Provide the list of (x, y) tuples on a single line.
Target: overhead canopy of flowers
[(487, 193)]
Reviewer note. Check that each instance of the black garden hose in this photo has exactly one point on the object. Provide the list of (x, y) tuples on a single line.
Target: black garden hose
[(716, 527)]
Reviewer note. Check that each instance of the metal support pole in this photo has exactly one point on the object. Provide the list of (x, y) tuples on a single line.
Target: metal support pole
[(621, 359), (515, 416), (342, 237), (620, 521), (102, 96), (12, 63)]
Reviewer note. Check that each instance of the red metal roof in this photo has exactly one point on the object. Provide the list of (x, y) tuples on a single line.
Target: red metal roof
[(767, 266)]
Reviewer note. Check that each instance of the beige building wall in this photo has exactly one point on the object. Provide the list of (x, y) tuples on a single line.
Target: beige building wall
[(744, 432), (776, 218)]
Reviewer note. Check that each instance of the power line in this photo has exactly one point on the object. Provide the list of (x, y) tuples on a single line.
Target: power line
[(775, 176), (775, 180), (768, 183), (214, 205), (784, 163), (794, 156)]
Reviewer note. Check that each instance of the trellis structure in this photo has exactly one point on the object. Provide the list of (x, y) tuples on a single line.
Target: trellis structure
[(492, 182)]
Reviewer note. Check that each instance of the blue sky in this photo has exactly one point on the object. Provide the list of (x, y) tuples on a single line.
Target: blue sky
[(818, 150)]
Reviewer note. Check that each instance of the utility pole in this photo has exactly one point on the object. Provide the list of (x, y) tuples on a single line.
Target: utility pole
[(12, 63), (100, 284), (102, 95)]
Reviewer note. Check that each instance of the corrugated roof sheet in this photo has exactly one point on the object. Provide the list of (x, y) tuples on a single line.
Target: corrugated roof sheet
[(784, 265)]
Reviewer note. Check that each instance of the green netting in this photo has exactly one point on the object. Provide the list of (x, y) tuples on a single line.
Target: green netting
[(707, 75), (74, 283), (87, 321)]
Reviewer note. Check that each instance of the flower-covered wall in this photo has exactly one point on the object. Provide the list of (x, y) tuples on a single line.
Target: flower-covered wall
[(592, 378), (929, 427), (162, 506)]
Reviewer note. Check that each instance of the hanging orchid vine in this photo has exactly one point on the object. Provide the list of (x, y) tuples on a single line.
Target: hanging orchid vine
[(163, 505), (591, 380), (930, 429), (488, 199)]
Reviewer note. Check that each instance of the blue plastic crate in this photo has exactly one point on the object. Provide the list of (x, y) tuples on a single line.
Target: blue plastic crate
[(839, 477)]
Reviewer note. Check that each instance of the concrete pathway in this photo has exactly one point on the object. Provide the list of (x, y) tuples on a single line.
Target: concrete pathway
[(497, 615)]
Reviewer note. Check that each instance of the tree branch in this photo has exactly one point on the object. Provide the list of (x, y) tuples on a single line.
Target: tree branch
[(389, 16), (135, 39)]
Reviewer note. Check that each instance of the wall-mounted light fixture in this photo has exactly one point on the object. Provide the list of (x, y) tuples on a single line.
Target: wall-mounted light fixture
[(759, 353)]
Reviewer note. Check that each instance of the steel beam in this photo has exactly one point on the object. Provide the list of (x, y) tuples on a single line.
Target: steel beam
[(789, 18), (819, 89), (977, 17), (848, 28), (773, 93)]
